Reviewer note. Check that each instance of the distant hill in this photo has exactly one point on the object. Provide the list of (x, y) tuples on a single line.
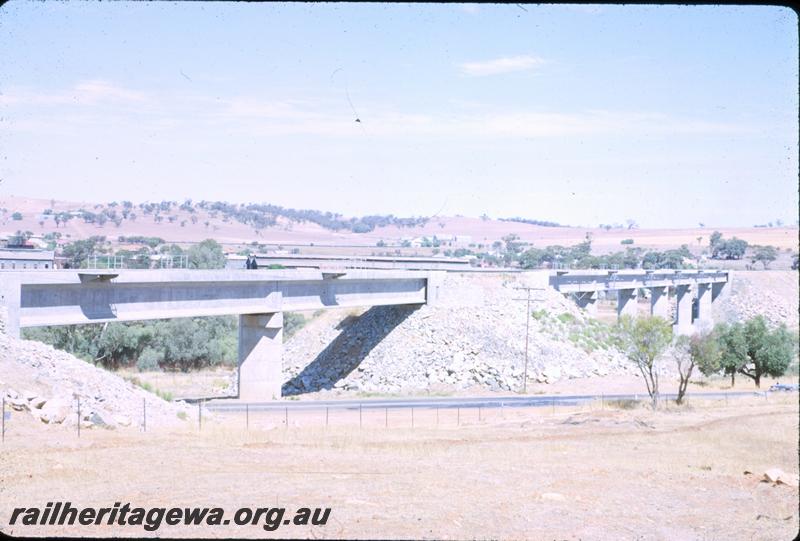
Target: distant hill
[(230, 224)]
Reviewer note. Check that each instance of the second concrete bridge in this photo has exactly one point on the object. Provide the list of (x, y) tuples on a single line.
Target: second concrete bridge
[(694, 290)]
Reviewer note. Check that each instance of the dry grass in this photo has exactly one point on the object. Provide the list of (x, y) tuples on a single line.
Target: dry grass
[(515, 473)]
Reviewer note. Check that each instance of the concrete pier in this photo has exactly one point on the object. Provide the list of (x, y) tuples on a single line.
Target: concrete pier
[(659, 302), (627, 303), (260, 356), (704, 319), (683, 313)]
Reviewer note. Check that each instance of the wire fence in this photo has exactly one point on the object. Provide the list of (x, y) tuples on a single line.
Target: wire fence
[(371, 415)]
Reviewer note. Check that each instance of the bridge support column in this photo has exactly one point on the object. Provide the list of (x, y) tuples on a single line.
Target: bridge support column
[(704, 317), (683, 314), (588, 301), (260, 356), (659, 302), (716, 289), (626, 303)]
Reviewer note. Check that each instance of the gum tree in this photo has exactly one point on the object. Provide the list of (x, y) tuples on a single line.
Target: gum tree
[(643, 340), (699, 351), (754, 350)]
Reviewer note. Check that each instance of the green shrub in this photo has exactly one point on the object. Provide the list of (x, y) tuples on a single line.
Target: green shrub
[(566, 318), (540, 314), (149, 360)]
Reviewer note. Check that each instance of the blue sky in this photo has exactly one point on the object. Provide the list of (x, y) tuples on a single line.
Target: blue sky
[(668, 115)]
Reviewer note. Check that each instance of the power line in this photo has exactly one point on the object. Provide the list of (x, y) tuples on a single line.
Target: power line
[(528, 300)]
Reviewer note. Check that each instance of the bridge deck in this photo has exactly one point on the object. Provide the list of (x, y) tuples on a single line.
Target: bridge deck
[(65, 297)]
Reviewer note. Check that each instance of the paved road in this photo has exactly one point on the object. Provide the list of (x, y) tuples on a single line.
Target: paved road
[(231, 405)]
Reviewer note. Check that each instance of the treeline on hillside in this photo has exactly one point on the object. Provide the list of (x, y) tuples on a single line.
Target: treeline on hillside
[(543, 223), (256, 215), (172, 344), (263, 215)]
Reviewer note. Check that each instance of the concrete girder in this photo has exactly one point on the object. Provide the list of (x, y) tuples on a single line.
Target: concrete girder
[(60, 298)]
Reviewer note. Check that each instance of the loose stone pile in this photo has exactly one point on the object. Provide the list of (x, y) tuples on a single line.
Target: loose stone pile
[(772, 294), (48, 384), (473, 337)]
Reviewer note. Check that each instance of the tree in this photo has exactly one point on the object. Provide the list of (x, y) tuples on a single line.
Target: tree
[(733, 348), (730, 249), (206, 255), (700, 350), (16, 216), (755, 350), (765, 254), (714, 243), (643, 340)]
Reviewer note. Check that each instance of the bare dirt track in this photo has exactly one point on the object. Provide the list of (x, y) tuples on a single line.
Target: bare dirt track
[(513, 474)]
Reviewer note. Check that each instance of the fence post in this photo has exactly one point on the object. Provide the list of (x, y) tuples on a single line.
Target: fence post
[(199, 415), (3, 414), (79, 416)]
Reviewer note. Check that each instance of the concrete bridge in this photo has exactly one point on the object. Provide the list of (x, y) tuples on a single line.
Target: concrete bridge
[(691, 287), (258, 297)]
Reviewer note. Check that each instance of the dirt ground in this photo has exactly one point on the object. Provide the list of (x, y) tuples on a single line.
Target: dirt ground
[(594, 472)]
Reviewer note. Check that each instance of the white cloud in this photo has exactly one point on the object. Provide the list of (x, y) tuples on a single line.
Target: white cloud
[(99, 90), (102, 101), (90, 92), (497, 66)]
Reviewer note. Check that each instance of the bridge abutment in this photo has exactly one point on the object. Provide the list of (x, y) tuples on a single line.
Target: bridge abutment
[(260, 356)]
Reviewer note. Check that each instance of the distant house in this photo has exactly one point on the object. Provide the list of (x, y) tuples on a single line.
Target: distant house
[(19, 258)]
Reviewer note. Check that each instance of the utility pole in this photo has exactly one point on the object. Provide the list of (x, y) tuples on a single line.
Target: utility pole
[(527, 300)]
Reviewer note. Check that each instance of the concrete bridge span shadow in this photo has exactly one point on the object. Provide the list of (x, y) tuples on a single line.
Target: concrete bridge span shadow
[(358, 337)]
